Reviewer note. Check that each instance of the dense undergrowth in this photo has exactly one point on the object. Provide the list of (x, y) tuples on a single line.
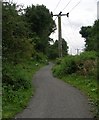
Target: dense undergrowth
[(24, 49), (81, 72), (17, 86)]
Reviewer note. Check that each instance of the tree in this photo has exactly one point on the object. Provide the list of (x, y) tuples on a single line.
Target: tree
[(15, 41), (90, 33), (64, 47), (41, 23), (53, 52), (25, 33)]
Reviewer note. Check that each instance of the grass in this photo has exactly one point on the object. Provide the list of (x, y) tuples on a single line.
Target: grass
[(88, 86), (19, 102), (80, 71), (16, 100)]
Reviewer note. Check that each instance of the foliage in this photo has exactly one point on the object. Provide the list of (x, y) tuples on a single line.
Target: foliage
[(91, 33), (66, 66), (88, 86), (84, 64), (15, 101), (15, 42), (41, 23), (81, 72), (40, 19), (26, 33), (53, 51), (64, 47), (17, 86), (13, 77), (24, 42), (40, 58)]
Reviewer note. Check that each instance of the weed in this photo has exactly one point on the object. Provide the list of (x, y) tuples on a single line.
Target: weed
[(17, 86)]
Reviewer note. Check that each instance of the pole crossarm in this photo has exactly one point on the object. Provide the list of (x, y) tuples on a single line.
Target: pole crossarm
[(61, 14), (60, 31)]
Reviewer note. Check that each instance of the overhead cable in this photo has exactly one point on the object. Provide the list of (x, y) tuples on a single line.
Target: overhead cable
[(55, 18), (75, 6), (57, 5), (66, 5), (69, 41)]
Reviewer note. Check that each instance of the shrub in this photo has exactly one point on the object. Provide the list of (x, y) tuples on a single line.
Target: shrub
[(88, 55), (15, 77), (40, 57), (84, 64)]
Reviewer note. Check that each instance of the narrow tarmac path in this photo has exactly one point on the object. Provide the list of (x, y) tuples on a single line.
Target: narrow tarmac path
[(55, 99)]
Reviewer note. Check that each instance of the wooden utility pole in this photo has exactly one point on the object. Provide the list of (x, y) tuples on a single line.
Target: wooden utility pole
[(60, 32), (59, 35)]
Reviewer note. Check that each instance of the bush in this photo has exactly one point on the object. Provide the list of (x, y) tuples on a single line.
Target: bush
[(88, 55), (84, 64), (40, 57), (58, 61), (65, 66), (81, 72), (15, 77), (17, 87)]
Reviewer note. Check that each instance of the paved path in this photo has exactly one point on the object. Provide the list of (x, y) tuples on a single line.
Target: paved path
[(55, 99)]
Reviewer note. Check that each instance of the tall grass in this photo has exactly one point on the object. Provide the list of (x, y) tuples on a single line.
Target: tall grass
[(17, 86)]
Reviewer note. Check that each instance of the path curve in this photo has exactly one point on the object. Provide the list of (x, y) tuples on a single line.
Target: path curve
[(55, 99)]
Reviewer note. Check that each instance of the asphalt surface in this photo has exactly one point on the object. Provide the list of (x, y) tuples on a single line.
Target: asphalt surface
[(55, 99)]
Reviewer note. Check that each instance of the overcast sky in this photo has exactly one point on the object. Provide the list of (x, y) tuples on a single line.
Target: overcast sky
[(84, 14)]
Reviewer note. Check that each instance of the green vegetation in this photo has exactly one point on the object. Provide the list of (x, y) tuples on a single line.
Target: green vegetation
[(81, 72), (91, 35), (24, 42), (53, 51), (17, 87), (26, 47)]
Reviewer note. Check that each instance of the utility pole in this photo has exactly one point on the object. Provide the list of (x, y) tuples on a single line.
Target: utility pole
[(59, 35), (60, 32)]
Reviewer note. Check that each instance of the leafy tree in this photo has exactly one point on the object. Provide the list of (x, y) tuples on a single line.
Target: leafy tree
[(27, 32), (54, 52), (90, 33), (64, 47), (15, 41), (41, 23)]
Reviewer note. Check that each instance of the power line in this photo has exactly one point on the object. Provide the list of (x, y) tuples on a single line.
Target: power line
[(73, 42), (71, 26), (77, 49), (69, 41), (66, 5), (57, 5), (73, 32), (55, 18), (71, 29), (75, 6)]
